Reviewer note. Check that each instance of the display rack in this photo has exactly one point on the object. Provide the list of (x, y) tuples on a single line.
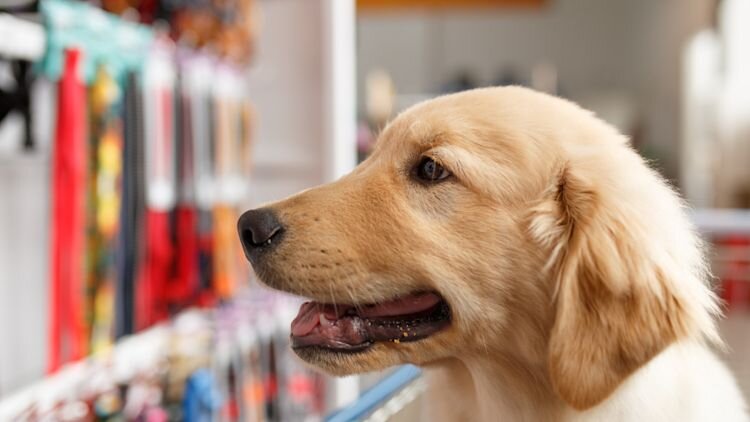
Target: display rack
[(384, 399), (131, 354)]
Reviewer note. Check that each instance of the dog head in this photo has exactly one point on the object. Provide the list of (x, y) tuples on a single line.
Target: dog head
[(494, 222)]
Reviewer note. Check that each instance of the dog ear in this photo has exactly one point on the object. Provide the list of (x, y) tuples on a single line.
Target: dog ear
[(616, 308)]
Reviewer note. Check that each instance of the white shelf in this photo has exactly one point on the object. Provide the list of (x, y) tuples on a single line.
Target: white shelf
[(722, 221)]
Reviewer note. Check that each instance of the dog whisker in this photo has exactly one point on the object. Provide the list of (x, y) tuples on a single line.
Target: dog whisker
[(333, 300)]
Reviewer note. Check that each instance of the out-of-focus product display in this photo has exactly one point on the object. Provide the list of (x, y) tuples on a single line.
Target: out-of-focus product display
[(229, 28), (230, 363), (149, 161), (124, 219)]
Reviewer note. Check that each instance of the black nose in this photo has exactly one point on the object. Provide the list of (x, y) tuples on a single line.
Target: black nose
[(258, 230)]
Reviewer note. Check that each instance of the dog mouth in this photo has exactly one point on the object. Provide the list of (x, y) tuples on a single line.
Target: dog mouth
[(354, 328)]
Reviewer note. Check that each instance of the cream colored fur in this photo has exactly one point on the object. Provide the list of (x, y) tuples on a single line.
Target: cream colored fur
[(577, 285)]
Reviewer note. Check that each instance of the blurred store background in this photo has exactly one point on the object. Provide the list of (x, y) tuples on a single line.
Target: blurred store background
[(134, 132)]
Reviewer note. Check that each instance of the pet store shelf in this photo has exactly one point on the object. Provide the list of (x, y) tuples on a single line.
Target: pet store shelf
[(722, 221)]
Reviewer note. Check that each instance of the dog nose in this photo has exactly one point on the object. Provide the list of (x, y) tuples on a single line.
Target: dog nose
[(258, 229)]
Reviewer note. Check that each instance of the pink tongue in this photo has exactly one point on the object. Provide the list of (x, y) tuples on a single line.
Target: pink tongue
[(309, 313), (309, 316), (307, 319), (404, 306)]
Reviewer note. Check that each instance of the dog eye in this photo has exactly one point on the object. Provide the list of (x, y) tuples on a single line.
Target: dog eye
[(430, 171)]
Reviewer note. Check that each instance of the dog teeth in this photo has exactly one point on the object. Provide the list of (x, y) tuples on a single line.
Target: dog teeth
[(324, 320)]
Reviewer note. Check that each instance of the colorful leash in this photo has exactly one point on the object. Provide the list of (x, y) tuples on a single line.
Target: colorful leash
[(133, 203), (106, 195), (153, 287), (226, 253), (233, 141), (224, 217), (205, 164), (184, 288), (66, 322)]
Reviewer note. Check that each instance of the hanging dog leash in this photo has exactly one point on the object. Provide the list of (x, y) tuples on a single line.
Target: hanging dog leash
[(66, 330)]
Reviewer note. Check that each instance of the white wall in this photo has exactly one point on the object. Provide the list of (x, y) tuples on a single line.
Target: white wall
[(629, 46), (24, 247), (24, 256), (286, 87), (302, 84)]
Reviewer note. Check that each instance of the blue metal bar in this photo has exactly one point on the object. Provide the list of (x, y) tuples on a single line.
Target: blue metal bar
[(373, 398)]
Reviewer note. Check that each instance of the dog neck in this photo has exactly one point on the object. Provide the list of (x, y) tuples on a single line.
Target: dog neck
[(507, 378), (490, 389)]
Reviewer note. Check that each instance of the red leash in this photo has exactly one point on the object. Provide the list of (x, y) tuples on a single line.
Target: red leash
[(66, 325), (153, 287)]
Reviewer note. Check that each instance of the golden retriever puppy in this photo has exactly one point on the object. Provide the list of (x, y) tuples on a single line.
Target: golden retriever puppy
[(519, 250)]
